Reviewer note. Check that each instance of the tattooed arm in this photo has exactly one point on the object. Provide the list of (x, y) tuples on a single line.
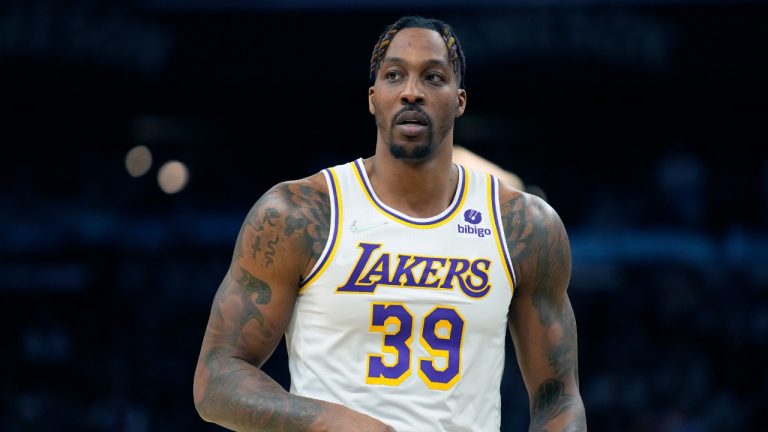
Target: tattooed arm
[(541, 319), (281, 239)]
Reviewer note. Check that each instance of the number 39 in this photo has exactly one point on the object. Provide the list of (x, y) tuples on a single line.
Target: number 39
[(441, 335)]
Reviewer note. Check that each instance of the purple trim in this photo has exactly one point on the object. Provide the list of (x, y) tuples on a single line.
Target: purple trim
[(500, 230), (461, 191), (333, 234)]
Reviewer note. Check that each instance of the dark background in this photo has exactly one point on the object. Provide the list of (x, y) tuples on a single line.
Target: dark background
[(643, 123)]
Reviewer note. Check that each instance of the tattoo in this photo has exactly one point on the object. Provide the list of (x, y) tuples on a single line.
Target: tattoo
[(563, 354), (257, 405), (236, 393), (270, 215), (307, 216), (254, 292), (255, 247), (293, 224), (531, 233), (517, 223), (538, 244), (578, 423), (270, 253), (534, 234), (311, 219), (550, 402)]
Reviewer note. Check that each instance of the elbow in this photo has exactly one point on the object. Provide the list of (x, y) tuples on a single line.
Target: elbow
[(203, 413), (199, 387), (203, 409)]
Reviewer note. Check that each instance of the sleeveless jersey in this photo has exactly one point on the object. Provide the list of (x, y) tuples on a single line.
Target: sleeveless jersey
[(404, 318)]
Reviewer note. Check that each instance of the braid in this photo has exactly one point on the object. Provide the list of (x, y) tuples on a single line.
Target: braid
[(455, 53), (381, 46)]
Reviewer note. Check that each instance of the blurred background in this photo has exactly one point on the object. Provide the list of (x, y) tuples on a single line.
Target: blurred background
[(137, 134)]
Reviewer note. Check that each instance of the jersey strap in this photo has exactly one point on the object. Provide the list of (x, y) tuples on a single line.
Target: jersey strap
[(334, 233)]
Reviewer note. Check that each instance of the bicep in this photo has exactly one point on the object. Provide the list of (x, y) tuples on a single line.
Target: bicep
[(541, 319), (254, 301), (249, 315)]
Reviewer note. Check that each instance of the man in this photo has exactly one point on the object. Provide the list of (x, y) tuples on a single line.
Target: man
[(392, 279)]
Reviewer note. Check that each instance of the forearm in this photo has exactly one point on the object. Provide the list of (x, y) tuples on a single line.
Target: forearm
[(553, 409), (241, 397), (572, 421)]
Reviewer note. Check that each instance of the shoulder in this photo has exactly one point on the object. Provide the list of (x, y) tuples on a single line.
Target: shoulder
[(524, 207), (287, 227), (535, 234), (292, 196)]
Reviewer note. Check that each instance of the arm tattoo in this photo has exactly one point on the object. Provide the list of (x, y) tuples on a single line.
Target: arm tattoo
[(254, 292), (269, 255), (538, 243), (550, 402), (533, 234), (237, 393), (311, 218), (307, 215)]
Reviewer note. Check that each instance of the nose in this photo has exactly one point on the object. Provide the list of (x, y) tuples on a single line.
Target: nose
[(412, 92)]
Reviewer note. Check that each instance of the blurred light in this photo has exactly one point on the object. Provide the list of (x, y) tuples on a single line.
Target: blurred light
[(172, 177), (138, 161)]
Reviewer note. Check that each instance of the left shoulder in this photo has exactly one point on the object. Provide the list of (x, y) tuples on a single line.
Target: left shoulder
[(535, 234), (525, 211)]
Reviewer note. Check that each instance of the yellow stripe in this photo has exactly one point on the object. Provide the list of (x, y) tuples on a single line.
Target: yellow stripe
[(406, 223), (498, 235), (338, 232)]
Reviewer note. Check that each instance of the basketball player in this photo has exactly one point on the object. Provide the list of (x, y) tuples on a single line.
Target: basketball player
[(394, 279)]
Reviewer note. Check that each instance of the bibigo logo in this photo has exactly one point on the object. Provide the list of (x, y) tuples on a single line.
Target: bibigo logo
[(473, 217)]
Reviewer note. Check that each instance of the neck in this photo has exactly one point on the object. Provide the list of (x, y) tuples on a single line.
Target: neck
[(421, 188)]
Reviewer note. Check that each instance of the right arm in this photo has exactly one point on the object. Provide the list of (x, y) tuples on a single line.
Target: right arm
[(280, 239)]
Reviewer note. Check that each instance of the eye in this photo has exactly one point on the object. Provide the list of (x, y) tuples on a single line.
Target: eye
[(435, 78), (392, 75)]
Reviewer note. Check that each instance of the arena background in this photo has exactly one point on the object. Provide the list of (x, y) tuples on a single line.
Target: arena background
[(642, 122)]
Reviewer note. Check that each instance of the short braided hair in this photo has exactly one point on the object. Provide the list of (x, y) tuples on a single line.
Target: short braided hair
[(455, 53)]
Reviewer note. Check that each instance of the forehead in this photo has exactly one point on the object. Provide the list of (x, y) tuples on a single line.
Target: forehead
[(417, 43)]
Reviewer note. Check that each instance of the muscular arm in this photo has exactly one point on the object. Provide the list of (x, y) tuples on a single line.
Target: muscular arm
[(541, 320), (281, 238)]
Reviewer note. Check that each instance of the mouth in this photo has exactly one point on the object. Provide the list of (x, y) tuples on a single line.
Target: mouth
[(411, 123)]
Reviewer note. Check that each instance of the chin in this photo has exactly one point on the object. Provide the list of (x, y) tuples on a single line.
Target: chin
[(411, 151)]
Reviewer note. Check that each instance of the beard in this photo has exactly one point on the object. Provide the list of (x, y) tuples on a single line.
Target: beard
[(414, 151)]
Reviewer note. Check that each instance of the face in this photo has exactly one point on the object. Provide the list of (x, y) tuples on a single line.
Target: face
[(415, 98)]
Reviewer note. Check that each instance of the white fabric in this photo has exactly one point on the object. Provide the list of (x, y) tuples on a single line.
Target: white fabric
[(337, 352)]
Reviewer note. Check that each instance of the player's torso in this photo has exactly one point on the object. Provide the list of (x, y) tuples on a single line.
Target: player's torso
[(405, 319)]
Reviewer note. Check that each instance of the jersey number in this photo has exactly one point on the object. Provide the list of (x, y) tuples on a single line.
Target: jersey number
[(441, 335)]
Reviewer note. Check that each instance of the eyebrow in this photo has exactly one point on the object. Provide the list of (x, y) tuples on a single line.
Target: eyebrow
[(432, 61)]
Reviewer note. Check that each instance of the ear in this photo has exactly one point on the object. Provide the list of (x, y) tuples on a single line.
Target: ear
[(461, 96), (371, 106)]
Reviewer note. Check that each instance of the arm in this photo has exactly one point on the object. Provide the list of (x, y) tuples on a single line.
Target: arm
[(541, 319), (281, 238), (466, 157)]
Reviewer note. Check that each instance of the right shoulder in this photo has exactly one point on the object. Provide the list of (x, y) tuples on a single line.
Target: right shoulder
[(293, 214), (292, 196)]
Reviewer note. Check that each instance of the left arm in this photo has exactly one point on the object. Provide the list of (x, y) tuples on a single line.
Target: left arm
[(541, 320)]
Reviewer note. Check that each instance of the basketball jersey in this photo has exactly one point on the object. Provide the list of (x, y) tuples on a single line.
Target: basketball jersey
[(404, 318)]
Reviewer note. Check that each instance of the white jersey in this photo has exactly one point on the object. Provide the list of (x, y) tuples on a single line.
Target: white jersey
[(404, 318)]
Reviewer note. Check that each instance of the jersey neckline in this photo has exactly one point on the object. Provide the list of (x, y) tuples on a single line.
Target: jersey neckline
[(398, 216)]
